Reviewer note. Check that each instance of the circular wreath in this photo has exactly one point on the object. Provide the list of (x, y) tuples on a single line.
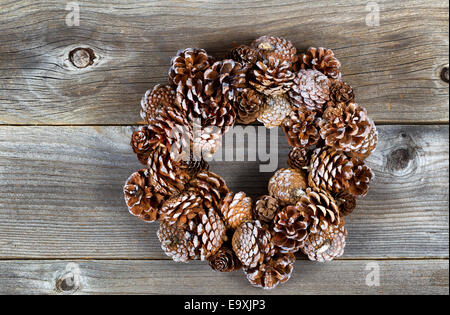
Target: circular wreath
[(304, 210)]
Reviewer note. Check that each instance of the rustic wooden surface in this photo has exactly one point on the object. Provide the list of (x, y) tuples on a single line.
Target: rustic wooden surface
[(61, 174)]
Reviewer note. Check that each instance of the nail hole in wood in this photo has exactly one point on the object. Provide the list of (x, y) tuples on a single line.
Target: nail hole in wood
[(82, 57), (444, 74)]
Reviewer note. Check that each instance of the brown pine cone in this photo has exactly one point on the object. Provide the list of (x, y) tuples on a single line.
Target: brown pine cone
[(341, 92), (347, 130), (224, 260), (142, 142), (330, 170), (211, 187), (319, 209), (326, 244), (266, 208), (180, 209), (320, 59), (287, 185), (299, 158), (252, 243), (311, 90), (346, 203), (275, 48), (272, 77), (236, 209), (142, 200), (193, 166), (368, 145), (156, 100), (301, 128), (276, 270), (363, 175), (248, 106), (274, 111), (245, 55), (176, 243), (290, 229)]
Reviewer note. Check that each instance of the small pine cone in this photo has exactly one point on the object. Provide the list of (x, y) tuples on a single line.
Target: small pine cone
[(140, 197), (236, 209), (274, 111), (252, 243), (290, 229), (288, 185), (176, 243), (363, 175), (245, 55), (276, 270), (248, 106), (156, 100), (299, 158), (341, 92), (368, 145), (224, 260), (301, 128), (211, 187), (266, 208), (142, 143), (276, 48), (326, 244), (321, 59), (223, 80), (346, 203), (272, 77), (311, 90), (347, 129), (194, 166), (319, 209), (330, 170)]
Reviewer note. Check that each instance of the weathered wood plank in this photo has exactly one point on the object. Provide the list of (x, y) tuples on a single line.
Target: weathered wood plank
[(395, 67), (163, 277), (61, 194)]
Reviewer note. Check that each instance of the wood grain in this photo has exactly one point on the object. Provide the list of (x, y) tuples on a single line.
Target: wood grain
[(61, 194), (161, 277), (395, 67)]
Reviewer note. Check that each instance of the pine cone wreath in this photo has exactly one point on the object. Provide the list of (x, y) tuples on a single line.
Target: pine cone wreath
[(290, 229), (278, 269), (299, 158), (320, 59), (248, 106), (224, 260), (275, 48), (236, 209), (274, 111), (266, 208), (310, 90), (245, 55), (288, 185), (156, 100), (326, 244), (301, 128)]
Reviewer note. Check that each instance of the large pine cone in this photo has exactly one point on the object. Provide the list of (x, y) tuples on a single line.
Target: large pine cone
[(211, 187), (311, 90), (156, 100), (301, 128), (321, 59), (224, 260), (274, 111), (236, 209), (176, 243), (326, 244), (248, 106), (276, 270), (363, 175), (142, 200), (290, 229), (299, 157), (272, 77), (245, 55), (252, 243), (266, 208), (330, 170), (346, 128), (275, 48), (287, 185)]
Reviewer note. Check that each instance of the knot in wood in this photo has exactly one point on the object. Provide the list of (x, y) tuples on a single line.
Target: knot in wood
[(399, 159), (444, 74), (82, 57), (69, 280)]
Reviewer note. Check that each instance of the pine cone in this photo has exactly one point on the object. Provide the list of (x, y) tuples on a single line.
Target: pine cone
[(266, 208), (156, 100), (272, 77), (299, 158), (290, 229), (346, 130), (341, 92), (330, 170), (252, 243), (248, 106), (225, 260), (275, 48), (274, 111), (321, 59), (301, 128), (346, 203), (287, 185), (193, 166), (326, 244), (176, 243), (359, 184), (142, 142), (236, 209), (311, 90), (181, 208), (140, 197), (211, 187), (245, 55), (368, 145), (276, 270)]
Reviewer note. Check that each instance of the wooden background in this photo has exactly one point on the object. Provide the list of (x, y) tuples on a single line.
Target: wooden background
[(64, 142)]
